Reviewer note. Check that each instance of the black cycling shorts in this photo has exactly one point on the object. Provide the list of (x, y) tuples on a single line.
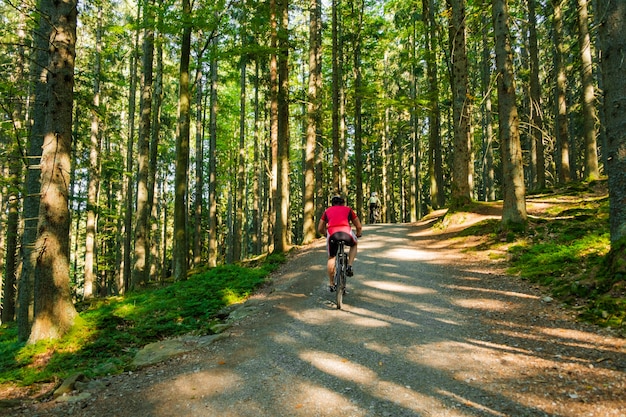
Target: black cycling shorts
[(331, 244)]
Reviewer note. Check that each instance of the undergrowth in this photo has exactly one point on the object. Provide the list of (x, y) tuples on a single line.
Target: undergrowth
[(566, 250), (110, 331)]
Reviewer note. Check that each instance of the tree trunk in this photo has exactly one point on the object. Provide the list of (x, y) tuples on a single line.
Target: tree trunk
[(281, 237), (257, 178), (336, 188), (589, 97), (461, 188), (157, 100), (273, 87), (536, 107), (613, 46), (93, 188), (435, 163), (13, 151), (514, 205), (313, 107), (179, 252), (358, 111), (212, 203), (240, 182), (25, 282), (142, 246), (54, 312), (129, 186), (489, 193), (199, 182), (562, 128)]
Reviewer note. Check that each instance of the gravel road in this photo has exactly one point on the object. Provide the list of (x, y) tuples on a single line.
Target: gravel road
[(426, 330)]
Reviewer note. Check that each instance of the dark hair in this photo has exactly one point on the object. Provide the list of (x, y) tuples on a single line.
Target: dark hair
[(337, 200)]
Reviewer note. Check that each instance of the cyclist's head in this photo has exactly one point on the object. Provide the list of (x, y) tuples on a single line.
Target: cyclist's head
[(374, 193), (337, 200)]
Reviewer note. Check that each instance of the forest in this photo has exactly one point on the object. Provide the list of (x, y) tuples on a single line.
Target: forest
[(144, 139)]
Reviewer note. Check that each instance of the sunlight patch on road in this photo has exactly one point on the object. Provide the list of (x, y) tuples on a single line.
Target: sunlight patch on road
[(406, 254), (491, 291), (485, 304), (339, 367), (471, 404), (397, 287), (311, 399), (584, 340), (375, 317), (406, 397), (209, 383), (468, 361)]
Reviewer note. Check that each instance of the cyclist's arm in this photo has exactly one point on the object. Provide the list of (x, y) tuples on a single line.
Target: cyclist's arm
[(358, 226), (321, 227)]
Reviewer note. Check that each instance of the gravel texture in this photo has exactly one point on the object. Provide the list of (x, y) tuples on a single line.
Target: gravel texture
[(428, 329)]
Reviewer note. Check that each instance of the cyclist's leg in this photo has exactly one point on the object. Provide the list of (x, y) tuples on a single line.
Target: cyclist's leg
[(331, 247), (353, 250), (330, 269)]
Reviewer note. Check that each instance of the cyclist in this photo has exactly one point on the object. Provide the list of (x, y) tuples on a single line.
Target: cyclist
[(374, 205), (335, 222)]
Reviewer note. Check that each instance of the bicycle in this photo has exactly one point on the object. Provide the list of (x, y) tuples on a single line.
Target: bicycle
[(374, 215), (341, 264)]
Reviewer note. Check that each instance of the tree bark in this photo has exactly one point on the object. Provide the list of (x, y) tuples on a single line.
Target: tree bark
[(536, 106), (514, 205), (588, 95), (281, 237), (613, 46), (273, 87), (358, 111), (240, 183), (125, 279), (54, 313), (489, 189), (180, 254), (199, 182), (461, 188), (560, 91), (142, 245), (313, 107), (13, 151), (212, 198), (93, 188), (336, 79), (435, 160)]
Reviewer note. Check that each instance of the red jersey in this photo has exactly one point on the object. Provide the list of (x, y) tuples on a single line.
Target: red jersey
[(338, 219)]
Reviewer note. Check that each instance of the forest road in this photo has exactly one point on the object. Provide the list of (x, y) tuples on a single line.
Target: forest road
[(427, 330)]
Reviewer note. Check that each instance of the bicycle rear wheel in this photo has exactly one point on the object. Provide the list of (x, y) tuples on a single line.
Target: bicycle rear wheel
[(340, 277)]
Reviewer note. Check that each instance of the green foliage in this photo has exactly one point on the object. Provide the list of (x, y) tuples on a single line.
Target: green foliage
[(565, 248), (569, 254), (111, 330)]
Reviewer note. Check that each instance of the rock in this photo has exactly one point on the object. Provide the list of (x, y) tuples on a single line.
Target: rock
[(4, 404), (73, 398), (241, 313), (68, 385), (159, 351)]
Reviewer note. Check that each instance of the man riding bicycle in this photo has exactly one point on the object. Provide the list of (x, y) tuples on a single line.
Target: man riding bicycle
[(374, 203), (335, 223)]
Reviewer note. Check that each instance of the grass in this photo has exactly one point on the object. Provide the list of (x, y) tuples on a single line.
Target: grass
[(565, 248), (110, 331)]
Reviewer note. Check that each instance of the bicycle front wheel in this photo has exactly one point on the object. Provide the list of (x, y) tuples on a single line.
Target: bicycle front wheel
[(339, 289)]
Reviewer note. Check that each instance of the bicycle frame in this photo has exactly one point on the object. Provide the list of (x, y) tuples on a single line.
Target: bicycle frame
[(341, 264)]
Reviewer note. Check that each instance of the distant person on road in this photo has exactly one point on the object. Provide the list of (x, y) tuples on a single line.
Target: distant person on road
[(374, 204), (335, 223)]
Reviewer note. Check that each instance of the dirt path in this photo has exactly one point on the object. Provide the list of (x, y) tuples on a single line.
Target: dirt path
[(426, 331)]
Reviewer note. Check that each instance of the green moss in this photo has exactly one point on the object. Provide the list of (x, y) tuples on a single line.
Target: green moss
[(109, 331)]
